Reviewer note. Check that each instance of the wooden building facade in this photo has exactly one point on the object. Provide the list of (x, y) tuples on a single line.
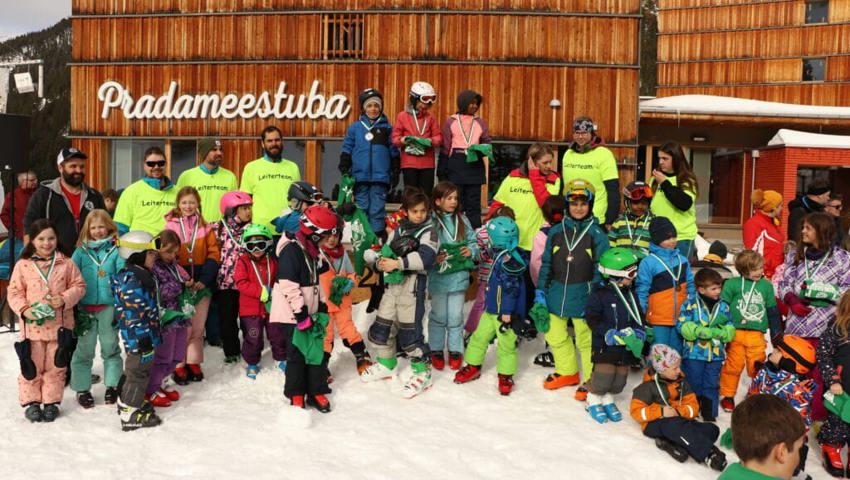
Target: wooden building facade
[(134, 62)]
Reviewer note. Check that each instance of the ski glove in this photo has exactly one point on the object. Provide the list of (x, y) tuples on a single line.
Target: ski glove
[(689, 331), (540, 297), (539, 314), (303, 321), (796, 305), (345, 163)]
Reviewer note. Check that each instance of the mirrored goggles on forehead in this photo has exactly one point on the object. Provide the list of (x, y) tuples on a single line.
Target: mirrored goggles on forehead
[(257, 245), (428, 98)]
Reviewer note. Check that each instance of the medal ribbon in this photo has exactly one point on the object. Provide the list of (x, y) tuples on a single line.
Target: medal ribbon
[(416, 121), (268, 283), (467, 138), (820, 263), (630, 305), (191, 245), (41, 274), (576, 239), (94, 258)]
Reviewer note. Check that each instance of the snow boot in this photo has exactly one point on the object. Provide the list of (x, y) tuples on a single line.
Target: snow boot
[(111, 396), (610, 408), (506, 384), (195, 374), (85, 399), (467, 374), (455, 360), (379, 371), (180, 376), (438, 360), (419, 381), (297, 401), (555, 381), (581, 393), (231, 359), (33, 412), (135, 418), (676, 451), (595, 409), (50, 412), (251, 371), (727, 404), (364, 361), (158, 399), (281, 365), (832, 460), (545, 359), (319, 402), (716, 459)]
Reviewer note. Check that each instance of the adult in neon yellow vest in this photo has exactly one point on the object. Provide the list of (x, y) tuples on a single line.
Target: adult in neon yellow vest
[(588, 160), (268, 178), (526, 188), (675, 187), (143, 204), (210, 179)]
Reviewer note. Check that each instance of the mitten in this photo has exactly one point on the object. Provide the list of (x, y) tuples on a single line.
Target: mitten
[(65, 347), (346, 209), (539, 314), (345, 163), (728, 333), (634, 343), (303, 321), (24, 350), (613, 337), (689, 331), (792, 299), (650, 334), (799, 309), (264, 295), (704, 333)]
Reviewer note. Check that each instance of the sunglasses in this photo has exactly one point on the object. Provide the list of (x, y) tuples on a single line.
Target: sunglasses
[(257, 245), (638, 193), (156, 163), (428, 98)]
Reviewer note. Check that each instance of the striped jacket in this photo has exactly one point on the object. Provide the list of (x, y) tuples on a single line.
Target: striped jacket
[(631, 232)]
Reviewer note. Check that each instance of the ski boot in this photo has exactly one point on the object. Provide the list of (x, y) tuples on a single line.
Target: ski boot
[(33, 412), (676, 451), (555, 381), (832, 460), (281, 365), (545, 359), (251, 371), (419, 381), (595, 409), (467, 374), (297, 401), (438, 360), (180, 376), (610, 408), (506, 384), (50, 412), (364, 361), (379, 371), (195, 374), (158, 399), (135, 418), (85, 399), (727, 404), (319, 402), (455, 360), (111, 395), (581, 393), (716, 459)]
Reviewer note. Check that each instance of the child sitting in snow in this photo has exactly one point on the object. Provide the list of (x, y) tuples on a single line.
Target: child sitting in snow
[(613, 316), (666, 407)]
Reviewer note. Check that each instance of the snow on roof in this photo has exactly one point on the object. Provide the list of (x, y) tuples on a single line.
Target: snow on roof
[(794, 138), (715, 105)]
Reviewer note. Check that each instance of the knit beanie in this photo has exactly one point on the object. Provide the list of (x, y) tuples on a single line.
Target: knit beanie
[(663, 357), (718, 248), (818, 188), (206, 144), (766, 200), (660, 229)]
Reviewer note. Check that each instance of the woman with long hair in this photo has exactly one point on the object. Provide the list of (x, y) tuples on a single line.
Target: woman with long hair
[(675, 187)]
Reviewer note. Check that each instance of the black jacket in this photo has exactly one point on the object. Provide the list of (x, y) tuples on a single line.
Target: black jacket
[(797, 209), (49, 202)]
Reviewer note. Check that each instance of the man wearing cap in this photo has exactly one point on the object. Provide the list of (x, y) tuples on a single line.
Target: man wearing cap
[(813, 201), (143, 204), (65, 201), (268, 178), (588, 159), (210, 179)]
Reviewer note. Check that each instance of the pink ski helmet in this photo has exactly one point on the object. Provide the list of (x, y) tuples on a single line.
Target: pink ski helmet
[(233, 200)]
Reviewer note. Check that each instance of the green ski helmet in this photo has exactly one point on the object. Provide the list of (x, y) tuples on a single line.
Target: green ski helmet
[(503, 233), (618, 262), (256, 230)]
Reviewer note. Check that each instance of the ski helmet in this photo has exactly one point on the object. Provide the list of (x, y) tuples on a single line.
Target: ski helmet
[(579, 188), (233, 200), (318, 221), (256, 230), (422, 91), (618, 262), (370, 93), (304, 192), (637, 190), (135, 242), (503, 233), (798, 350)]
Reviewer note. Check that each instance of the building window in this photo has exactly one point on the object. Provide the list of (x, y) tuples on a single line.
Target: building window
[(342, 36), (814, 69), (127, 156), (817, 11)]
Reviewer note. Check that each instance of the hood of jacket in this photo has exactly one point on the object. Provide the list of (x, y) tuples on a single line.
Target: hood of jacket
[(668, 255)]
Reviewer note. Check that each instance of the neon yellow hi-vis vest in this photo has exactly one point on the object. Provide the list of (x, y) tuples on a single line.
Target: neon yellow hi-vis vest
[(211, 187), (595, 166), (142, 207), (516, 193), (685, 222), (268, 182)]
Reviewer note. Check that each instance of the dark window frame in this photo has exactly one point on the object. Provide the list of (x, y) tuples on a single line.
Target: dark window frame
[(810, 76), (811, 9)]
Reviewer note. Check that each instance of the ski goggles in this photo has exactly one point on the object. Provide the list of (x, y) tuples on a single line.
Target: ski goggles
[(582, 194), (638, 193), (428, 98), (257, 245)]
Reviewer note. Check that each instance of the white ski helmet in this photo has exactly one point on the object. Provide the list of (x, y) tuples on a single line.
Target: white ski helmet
[(134, 242), (422, 89)]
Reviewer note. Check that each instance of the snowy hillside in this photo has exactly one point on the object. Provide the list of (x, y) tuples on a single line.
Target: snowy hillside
[(231, 427)]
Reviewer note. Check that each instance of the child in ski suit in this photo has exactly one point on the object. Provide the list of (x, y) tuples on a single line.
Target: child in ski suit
[(137, 314), (666, 408), (567, 271), (505, 299), (617, 325), (299, 303), (199, 255), (402, 307), (44, 281), (417, 135), (370, 156), (255, 275), (338, 281), (236, 211), (448, 290), (301, 196), (97, 258), (554, 208), (631, 228), (171, 280), (834, 362), (460, 162), (753, 305), (664, 282), (705, 325), (485, 263)]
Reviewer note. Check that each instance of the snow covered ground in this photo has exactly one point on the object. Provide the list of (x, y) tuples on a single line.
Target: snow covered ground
[(231, 427)]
